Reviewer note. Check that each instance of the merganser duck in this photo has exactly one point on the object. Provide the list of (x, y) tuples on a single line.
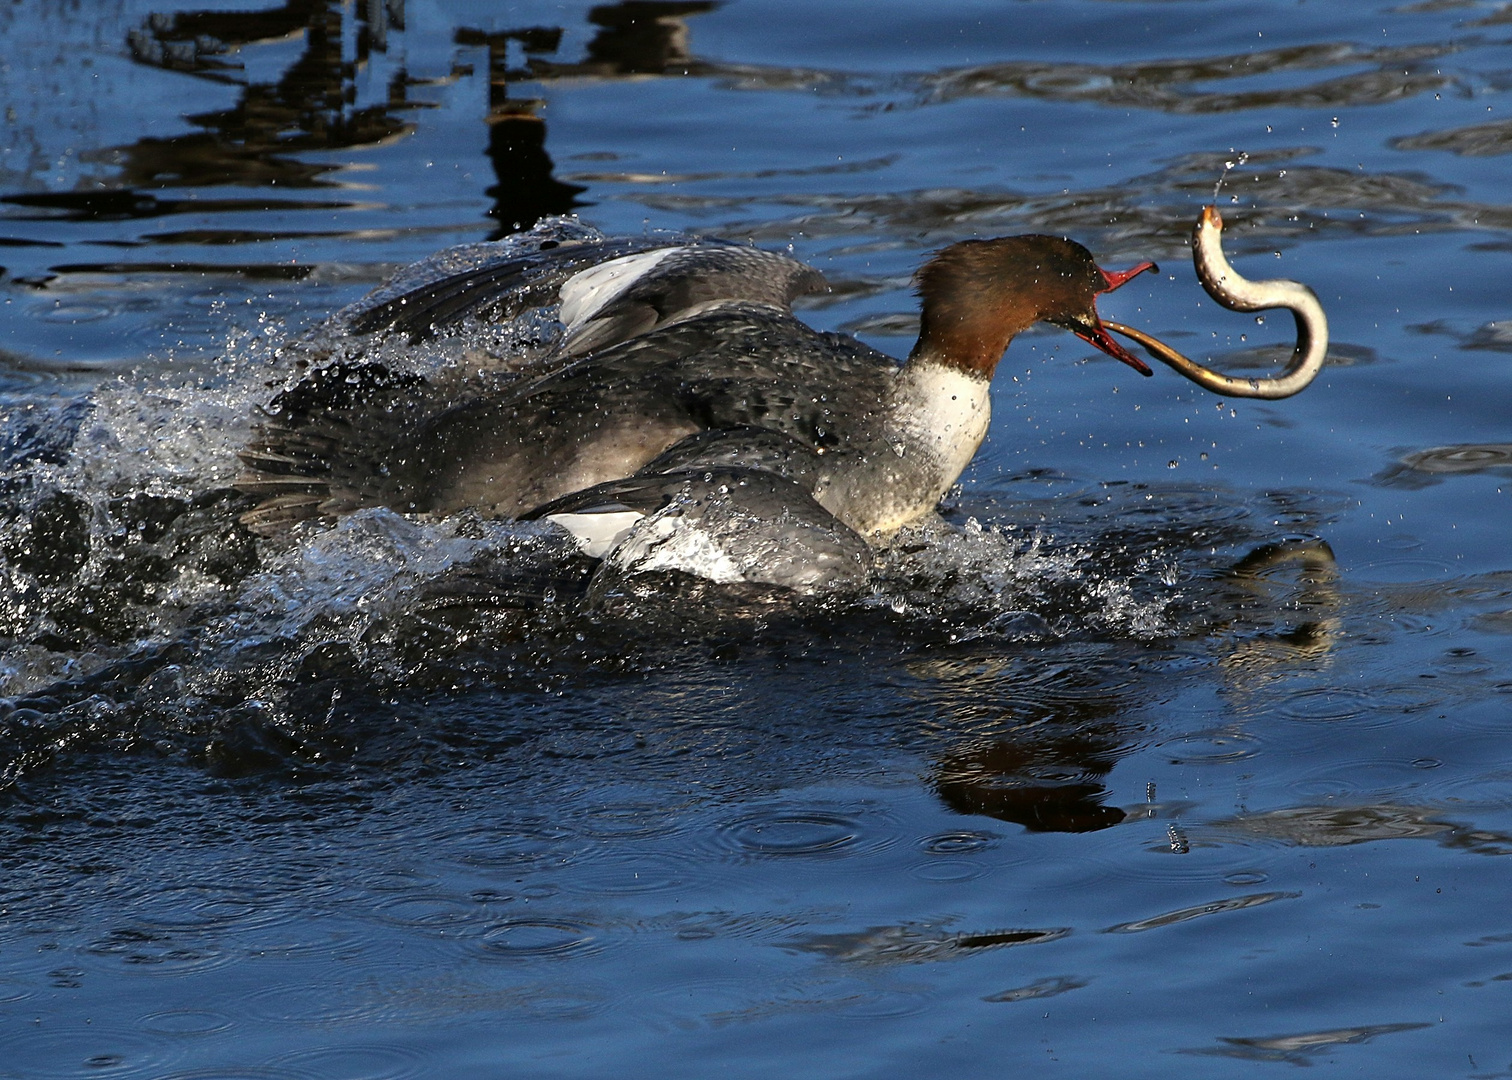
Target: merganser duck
[(684, 387)]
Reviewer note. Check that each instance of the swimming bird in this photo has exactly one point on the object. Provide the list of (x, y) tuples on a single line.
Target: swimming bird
[(685, 391)]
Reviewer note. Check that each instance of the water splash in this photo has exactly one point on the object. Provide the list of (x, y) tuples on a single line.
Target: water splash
[(1229, 165)]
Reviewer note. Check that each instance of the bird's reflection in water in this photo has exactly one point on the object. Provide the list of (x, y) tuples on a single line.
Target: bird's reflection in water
[(1036, 736), (1065, 733), (1051, 784)]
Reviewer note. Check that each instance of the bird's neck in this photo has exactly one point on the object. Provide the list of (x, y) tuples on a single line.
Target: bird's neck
[(971, 342)]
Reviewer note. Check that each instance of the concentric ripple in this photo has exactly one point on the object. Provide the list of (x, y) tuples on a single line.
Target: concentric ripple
[(384, 1061), (1326, 704), (781, 832), (432, 911), (539, 939), (1213, 748), (1463, 458), (182, 1022), (88, 1049), (633, 873), (200, 907)]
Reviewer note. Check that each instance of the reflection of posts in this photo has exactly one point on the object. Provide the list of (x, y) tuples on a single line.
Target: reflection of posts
[(526, 190), (311, 106), (643, 37)]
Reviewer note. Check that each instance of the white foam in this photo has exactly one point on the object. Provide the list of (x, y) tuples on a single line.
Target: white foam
[(359, 570), (669, 542)]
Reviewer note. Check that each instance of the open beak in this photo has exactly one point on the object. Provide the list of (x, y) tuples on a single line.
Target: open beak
[(1097, 336), (1115, 278)]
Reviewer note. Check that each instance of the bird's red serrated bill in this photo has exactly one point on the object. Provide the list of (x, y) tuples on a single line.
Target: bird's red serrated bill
[(1115, 278), (1100, 337)]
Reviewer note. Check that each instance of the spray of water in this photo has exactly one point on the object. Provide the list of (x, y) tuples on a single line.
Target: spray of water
[(1228, 167)]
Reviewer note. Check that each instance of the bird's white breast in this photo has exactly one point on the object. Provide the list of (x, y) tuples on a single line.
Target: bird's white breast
[(943, 413)]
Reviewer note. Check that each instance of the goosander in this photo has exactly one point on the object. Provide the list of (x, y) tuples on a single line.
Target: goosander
[(684, 392)]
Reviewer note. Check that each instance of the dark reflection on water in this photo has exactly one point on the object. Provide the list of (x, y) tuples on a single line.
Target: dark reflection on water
[(1300, 1048), (307, 108), (1177, 85), (917, 944), (1478, 140), (1333, 826)]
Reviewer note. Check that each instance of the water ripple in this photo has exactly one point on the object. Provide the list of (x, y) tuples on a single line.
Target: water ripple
[(1213, 748), (539, 939), (948, 871), (182, 1022), (796, 831), (1326, 704), (339, 999), (917, 943), (89, 1049), (380, 1061), (632, 873), (1300, 1048), (628, 820), (1186, 914), (239, 1072), (960, 842), (1040, 988), (439, 913), (203, 907), (1340, 826), (699, 1001), (1423, 468), (1476, 140), (495, 847), (152, 952)]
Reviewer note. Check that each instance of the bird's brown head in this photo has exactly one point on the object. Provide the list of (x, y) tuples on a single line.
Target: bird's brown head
[(978, 294)]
